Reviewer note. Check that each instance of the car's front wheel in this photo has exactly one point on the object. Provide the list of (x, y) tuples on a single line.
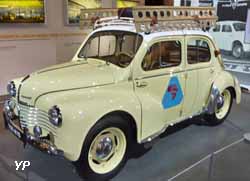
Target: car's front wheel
[(222, 109), (105, 149)]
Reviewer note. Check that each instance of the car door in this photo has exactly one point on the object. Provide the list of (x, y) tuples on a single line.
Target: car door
[(200, 74), (159, 81), (216, 33), (226, 38)]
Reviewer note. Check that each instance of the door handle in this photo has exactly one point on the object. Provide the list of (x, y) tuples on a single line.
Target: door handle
[(211, 71), (141, 84)]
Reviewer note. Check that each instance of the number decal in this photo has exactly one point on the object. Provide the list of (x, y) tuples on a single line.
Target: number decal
[(173, 95)]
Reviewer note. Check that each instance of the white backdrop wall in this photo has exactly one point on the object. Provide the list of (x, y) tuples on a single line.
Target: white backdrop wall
[(26, 48)]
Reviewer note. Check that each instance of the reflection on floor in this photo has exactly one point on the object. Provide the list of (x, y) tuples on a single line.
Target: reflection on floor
[(177, 149)]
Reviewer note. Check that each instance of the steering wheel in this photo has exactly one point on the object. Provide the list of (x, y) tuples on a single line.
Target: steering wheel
[(126, 54), (124, 63)]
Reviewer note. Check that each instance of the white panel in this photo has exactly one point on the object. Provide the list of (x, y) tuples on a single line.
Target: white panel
[(177, 2), (66, 47), (247, 33), (195, 3), (19, 58)]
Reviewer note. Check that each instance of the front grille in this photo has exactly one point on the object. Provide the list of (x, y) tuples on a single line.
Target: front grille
[(30, 117)]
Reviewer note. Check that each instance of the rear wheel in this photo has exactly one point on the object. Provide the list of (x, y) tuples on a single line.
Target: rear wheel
[(105, 149), (222, 109), (238, 50)]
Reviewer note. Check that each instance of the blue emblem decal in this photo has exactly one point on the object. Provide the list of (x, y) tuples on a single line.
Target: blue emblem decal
[(173, 95)]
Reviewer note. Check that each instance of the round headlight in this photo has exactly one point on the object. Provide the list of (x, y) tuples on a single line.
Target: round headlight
[(11, 88), (9, 107), (55, 116)]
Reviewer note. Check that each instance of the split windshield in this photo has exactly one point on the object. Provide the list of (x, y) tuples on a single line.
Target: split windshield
[(116, 47)]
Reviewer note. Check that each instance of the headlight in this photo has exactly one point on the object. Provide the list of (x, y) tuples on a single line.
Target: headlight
[(9, 107), (11, 88), (55, 116)]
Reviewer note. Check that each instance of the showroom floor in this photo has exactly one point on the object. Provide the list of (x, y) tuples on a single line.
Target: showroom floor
[(186, 145)]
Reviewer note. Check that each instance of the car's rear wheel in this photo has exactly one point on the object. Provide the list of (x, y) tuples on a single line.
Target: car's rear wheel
[(238, 51), (222, 109), (105, 149)]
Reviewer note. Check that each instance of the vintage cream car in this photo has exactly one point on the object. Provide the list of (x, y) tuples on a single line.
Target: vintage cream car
[(122, 88)]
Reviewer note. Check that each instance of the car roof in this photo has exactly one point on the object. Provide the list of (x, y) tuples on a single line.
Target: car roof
[(228, 22), (153, 35)]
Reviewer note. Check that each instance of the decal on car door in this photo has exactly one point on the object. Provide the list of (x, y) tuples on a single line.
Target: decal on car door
[(173, 95)]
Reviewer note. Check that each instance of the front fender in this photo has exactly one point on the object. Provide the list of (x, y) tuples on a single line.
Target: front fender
[(81, 109)]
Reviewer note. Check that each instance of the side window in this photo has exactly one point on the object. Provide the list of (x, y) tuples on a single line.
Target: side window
[(216, 28), (129, 44), (92, 47), (100, 46), (226, 28), (162, 55), (198, 51), (107, 45)]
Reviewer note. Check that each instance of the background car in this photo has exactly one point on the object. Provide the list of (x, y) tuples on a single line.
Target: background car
[(229, 36)]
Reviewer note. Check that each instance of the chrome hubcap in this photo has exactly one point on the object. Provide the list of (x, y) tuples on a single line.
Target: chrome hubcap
[(220, 102), (237, 51), (104, 148), (107, 150), (223, 104)]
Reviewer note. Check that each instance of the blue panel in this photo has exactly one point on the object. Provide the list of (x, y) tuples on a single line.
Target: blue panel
[(173, 95)]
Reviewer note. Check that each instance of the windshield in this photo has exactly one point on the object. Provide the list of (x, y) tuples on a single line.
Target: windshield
[(116, 47), (239, 26)]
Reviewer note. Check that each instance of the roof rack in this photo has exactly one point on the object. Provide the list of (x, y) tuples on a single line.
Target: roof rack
[(114, 21), (152, 18), (162, 18), (88, 17)]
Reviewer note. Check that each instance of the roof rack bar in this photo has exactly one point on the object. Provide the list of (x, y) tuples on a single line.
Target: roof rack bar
[(114, 21), (88, 17)]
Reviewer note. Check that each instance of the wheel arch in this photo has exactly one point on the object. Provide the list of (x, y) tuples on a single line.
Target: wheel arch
[(233, 91), (126, 117), (236, 42), (121, 113), (224, 81)]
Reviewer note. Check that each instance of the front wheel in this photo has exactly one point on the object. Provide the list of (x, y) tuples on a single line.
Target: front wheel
[(222, 109), (105, 149)]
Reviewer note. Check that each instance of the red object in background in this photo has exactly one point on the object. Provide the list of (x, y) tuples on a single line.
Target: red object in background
[(173, 89), (94, 19), (154, 21)]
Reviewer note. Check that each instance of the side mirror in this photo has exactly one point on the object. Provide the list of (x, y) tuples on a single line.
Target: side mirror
[(217, 53), (149, 50)]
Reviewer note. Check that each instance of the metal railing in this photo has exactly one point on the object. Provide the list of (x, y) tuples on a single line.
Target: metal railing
[(152, 18)]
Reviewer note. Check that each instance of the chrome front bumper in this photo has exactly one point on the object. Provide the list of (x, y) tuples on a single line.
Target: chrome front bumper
[(41, 143)]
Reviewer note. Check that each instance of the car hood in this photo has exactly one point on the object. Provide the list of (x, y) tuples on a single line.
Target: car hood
[(64, 77)]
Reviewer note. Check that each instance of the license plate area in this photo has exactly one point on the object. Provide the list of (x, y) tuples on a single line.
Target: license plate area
[(15, 131)]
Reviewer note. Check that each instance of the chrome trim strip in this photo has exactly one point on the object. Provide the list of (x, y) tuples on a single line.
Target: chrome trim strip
[(159, 75), (71, 90), (31, 116), (155, 135), (37, 122), (52, 69), (174, 72)]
